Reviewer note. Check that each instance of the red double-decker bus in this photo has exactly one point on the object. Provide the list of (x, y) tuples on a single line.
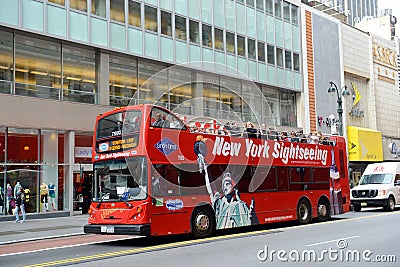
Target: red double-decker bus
[(154, 176)]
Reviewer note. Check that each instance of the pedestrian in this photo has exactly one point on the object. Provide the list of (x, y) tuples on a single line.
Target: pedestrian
[(20, 205), (9, 196)]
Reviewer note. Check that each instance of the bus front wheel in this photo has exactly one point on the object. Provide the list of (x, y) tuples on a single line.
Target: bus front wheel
[(303, 211), (202, 222)]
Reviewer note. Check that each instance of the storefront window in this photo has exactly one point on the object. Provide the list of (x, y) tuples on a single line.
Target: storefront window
[(6, 62), (151, 89), (288, 111), (79, 72), (37, 67), (99, 8), (134, 13), (123, 80)]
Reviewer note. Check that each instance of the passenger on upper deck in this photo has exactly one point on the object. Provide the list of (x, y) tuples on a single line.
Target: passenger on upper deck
[(159, 121), (250, 131)]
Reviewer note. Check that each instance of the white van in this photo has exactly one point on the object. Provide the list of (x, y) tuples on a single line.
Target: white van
[(379, 186)]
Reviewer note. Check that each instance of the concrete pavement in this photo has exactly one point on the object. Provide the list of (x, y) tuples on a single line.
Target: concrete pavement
[(37, 227)]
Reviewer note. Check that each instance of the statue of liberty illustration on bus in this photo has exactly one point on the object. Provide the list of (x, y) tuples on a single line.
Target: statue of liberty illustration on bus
[(230, 210)]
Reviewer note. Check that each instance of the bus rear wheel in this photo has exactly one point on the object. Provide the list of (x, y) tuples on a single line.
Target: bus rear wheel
[(303, 211), (324, 210), (202, 222)]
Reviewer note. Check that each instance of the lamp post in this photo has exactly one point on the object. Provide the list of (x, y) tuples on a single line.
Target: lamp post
[(344, 92)]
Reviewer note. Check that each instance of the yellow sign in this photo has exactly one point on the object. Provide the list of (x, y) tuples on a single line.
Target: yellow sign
[(357, 95), (364, 144)]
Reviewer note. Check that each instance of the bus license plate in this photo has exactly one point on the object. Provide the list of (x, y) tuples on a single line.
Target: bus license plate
[(107, 229), (363, 204)]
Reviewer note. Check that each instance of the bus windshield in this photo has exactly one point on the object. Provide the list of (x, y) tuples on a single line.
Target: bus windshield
[(119, 123), (122, 179), (383, 178)]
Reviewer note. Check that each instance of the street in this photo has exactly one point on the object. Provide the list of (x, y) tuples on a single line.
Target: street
[(364, 238)]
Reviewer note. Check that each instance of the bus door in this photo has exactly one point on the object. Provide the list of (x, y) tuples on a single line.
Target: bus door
[(168, 215)]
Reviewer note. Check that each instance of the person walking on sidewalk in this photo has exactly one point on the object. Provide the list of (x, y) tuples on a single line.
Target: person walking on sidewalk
[(20, 206)]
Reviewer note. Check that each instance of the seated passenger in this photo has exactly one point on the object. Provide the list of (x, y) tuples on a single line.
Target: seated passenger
[(159, 122)]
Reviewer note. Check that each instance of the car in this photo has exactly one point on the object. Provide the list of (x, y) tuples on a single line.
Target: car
[(379, 186)]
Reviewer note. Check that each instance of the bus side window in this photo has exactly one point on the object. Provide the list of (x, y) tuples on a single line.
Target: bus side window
[(397, 179), (283, 176)]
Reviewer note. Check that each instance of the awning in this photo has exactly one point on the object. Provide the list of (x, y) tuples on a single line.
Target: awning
[(364, 144)]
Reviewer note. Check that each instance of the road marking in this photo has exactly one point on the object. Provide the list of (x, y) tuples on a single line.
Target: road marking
[(189, 242), (330, 241)]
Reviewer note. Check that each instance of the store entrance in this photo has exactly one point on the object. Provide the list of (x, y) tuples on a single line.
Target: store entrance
[(83, 177)]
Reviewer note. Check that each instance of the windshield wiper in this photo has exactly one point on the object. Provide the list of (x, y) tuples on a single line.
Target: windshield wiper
[(101, 200)]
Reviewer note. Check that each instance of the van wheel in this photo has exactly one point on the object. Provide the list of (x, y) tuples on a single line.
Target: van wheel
[(390, 204), (324, 210), (357, 207), (303, 211), (202, 222)]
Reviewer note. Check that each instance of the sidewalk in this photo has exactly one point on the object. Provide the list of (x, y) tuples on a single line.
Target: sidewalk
[(41, 228)]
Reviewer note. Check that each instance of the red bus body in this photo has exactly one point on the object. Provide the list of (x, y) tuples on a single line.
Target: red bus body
[(273, 181)]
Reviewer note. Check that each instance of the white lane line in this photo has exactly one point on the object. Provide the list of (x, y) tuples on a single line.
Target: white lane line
[(330, 241)]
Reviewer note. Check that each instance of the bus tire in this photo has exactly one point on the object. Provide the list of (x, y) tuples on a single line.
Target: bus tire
[(303, 211), (203, 222), (391, 204), (357, 207), (324, 210)]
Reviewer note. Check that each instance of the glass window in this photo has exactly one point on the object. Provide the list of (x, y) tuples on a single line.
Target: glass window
[(117, 10), (288, 109), (6, 62), (250, 3), (230, 15), (37, 67), (152, 90), (122, 80), (218, 39), (211, 95), (60, 2), (279, 57), (99, 7), (180, 28), (261, 51), (230, 42), (206, 10), (269, 7), (79, 72), (207, 36), (166, 24), (181, 7), (150, 18), (251, 48), (78, 4), (270, 54), (286, 11), (240, 1), (134, 13), (295, 15), (278, 8), (288, 60), (241, 46), (260, 5), (194, 31), (296, 62)]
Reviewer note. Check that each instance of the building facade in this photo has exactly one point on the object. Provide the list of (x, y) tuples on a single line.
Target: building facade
[(62, 62)]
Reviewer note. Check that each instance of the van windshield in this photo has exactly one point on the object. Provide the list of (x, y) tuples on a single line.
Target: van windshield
[(383, 178)]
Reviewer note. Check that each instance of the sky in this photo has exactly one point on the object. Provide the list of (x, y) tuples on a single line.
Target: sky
[(393, 4)]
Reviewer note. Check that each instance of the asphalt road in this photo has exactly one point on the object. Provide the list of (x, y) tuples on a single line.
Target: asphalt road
[(368, 238)]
